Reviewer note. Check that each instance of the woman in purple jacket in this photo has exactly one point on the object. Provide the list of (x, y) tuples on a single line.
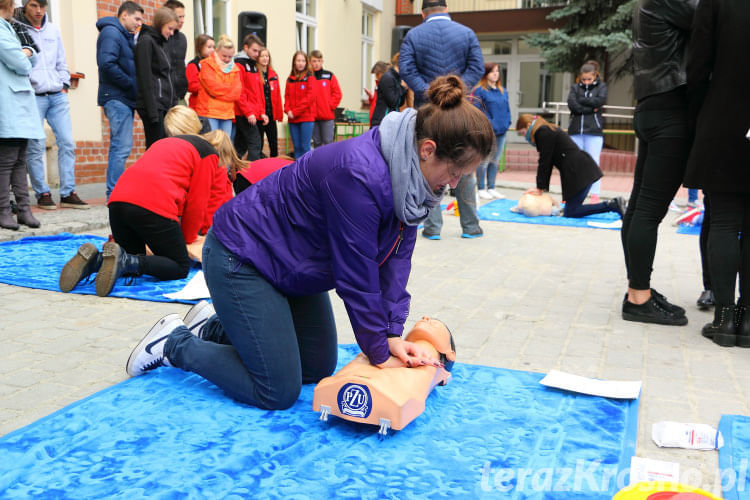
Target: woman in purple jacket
[(344, 217)]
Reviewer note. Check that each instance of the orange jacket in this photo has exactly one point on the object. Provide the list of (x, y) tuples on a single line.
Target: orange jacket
[(299, 98), (219, 91)]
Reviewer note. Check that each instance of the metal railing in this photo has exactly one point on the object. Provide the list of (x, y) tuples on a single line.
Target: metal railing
[(619, 134)]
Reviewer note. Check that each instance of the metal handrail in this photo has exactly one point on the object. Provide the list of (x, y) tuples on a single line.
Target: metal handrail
[(561, 108)]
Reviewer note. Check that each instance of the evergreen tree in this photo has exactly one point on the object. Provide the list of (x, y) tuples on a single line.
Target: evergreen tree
[(594, 29)]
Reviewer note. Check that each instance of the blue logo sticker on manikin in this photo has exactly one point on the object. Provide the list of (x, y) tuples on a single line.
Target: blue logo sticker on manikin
[(355, 401)]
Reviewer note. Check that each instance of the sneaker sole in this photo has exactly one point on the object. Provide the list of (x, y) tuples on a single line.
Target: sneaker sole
[(146, 340), (73, 205), (47, 207), (433, 237), (471, 236), (193, 313), (72, 272), (657, 321), (106, 277)]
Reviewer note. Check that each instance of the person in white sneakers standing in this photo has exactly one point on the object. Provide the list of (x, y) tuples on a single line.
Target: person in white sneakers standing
[(50, 79)]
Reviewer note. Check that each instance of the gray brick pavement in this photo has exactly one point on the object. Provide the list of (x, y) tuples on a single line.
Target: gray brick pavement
[(525, 297)]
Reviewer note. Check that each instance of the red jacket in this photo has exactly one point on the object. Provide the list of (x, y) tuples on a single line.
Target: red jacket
[(221, 192), (192, 73), (174, 178), (251, 100), (299, 98), (260, 169), (275, 84), (327, 95)]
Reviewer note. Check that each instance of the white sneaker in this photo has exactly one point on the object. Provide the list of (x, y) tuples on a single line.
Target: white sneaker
[(484, 194), (496, 194), (197, 316), (149, 353), (673, 207)]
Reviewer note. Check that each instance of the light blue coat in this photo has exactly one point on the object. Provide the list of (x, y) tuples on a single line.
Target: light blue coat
[(19, 116)]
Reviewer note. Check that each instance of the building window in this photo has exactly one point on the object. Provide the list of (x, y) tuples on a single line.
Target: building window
[(306, 25), (213, 17), (368, 50)]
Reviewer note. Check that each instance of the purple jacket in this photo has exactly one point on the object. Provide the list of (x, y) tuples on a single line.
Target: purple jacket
[(327, 221)]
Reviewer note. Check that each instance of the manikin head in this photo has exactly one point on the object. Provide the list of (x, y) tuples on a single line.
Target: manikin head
[(436, 333)]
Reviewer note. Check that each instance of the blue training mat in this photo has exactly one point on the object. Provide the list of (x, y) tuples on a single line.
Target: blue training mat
[(734, 457), (499, 210), (694, 229), (36, 262), (489, 433)]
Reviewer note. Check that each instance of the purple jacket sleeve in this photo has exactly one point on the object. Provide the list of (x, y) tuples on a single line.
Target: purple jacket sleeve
[(353, 216), (394, 274)]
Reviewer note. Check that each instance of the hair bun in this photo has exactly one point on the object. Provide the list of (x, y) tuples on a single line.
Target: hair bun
[(225, 37), (446, 91)]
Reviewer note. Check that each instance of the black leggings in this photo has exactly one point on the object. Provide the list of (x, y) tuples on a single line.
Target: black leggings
[(660, 123), (134, 227), (153, 131), (575, 208), (270, 132), (705, 228), (247, 139), (730, 218)]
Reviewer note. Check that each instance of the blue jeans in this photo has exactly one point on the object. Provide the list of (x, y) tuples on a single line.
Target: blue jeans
[(489, 168), (301, 135), (592, 144), (120, 117), (467, 208), (56, 109), (261, 345), (692, 195), (217, 124), (575, 208)]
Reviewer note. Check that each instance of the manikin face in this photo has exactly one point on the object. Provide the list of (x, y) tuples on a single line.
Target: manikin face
[(226, 54), (35, 12), (131, 22), (207, 49), (252, 51), (316, 63), (168, 29), (264, 58), (300, 63), (180, 17), (430, 325), (587, 78)]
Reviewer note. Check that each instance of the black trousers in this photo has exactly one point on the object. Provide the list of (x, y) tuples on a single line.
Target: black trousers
[(153, 130), (247, 139), (705, 228), (727, 255), (272, 135), (134, 227), (661, 127)]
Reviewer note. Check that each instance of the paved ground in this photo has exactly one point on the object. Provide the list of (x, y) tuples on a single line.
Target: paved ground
[(525, 296)]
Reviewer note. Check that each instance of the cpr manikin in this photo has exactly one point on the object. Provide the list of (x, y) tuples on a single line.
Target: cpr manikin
[(389, 397), (533, 205)]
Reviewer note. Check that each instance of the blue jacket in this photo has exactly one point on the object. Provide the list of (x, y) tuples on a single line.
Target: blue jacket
[(19, 118), (494, 104), (439, 46), (116, 61), (50, 73), (327, 221)]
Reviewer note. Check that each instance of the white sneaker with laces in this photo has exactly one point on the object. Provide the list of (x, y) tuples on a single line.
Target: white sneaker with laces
[(496, 194), (197, 316), (149, 353), (484, 194)]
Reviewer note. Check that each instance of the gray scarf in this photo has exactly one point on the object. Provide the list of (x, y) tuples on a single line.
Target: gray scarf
[(412, 196)]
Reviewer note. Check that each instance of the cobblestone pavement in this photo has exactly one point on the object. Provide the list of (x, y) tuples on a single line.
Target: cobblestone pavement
[(527, 297)]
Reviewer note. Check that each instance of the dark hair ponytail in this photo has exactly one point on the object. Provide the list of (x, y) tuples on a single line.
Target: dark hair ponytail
[(461, 132)]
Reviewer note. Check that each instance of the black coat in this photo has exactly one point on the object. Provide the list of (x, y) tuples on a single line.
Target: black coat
[(177, 45), (718, 75), (556, 149), (391, 96), (582, 101), (153, 71)]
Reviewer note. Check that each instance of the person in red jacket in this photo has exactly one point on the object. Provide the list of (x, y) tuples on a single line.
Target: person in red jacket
[(299, 103), (327, 99), (204, 47), (259, 170), (250, 108), (272, 97), (161, 201)]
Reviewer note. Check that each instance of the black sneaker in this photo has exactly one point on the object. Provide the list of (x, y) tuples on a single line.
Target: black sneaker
[(662, 300), (652, 312), (45, 202), (73, 201), (618, 205), (477, 234)]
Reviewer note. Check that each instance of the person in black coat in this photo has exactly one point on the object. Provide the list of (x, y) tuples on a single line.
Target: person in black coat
[(177, 47), (718, 70), (153, 70), (578, 171), (391, 93)]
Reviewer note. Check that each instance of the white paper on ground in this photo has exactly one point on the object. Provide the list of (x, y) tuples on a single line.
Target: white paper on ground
[(647, 469), (584, 385), (615, 224), (748, 133), (195, 289), (691, 436)]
